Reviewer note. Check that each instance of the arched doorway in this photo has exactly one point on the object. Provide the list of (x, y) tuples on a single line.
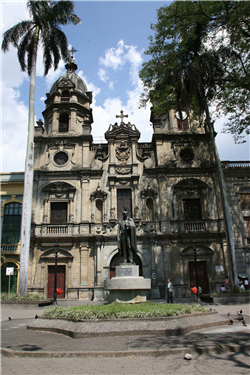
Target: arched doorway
[(118, 259)]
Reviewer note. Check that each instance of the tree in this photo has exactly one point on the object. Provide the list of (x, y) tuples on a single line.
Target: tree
[(43, 29), (226, 33), (3, 259), (185, 75)]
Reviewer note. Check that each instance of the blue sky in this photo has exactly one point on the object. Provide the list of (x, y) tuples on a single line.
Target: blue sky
[(111, 41)]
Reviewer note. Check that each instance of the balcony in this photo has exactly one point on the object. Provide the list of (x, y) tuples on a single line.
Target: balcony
[(10, 248), (197, 226)]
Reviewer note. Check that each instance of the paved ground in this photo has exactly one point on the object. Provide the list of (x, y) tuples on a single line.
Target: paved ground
[(123, 355), (219, 364)]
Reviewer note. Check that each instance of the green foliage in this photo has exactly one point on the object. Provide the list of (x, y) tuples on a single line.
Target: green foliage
[(47, 16), (3, 259), (200, 54), (120, 311), (26, 297)]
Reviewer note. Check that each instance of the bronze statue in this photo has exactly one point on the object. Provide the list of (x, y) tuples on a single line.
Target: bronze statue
[(126, 238)]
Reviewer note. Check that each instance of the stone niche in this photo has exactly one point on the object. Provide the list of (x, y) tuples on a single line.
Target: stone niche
[(127, 286)]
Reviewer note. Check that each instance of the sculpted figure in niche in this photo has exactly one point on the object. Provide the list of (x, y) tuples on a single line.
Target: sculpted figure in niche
[(126, 238)]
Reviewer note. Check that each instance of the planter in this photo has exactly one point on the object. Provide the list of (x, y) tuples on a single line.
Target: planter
[(228, 299)]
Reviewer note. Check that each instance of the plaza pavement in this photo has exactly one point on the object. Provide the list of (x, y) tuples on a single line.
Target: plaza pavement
[(215, 350)]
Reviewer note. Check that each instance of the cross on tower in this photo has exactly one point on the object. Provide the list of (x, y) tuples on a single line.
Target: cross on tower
[(121, 116), (72, 51)]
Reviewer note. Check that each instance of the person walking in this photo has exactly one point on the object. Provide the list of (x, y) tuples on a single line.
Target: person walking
[(170, 289)]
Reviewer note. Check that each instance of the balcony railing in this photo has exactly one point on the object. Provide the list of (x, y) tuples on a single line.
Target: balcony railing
[(57, 229), (236, 164), (10, 248), (195, 226)]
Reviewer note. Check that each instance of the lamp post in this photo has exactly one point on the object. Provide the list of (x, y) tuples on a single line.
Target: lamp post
[(196, 270), (56, 248)]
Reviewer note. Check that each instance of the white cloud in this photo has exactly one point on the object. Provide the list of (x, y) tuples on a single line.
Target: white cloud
[(14, 131), (116, 58), (102, 75)]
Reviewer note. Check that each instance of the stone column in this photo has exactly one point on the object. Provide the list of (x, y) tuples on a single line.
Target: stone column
[(54, 127), (72, 120), (98, 290), (84, 198), (84, 253), (113, 205), (98, 263), (85, 154), (155, 292), (162, 195)]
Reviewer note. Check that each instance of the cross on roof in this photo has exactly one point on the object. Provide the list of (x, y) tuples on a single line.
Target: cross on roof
[(72, 51), (121, 116)]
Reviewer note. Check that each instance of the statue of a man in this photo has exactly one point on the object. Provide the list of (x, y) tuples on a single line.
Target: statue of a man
[(126, 238)]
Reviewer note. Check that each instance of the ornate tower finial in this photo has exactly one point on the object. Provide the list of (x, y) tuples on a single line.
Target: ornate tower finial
[(121, 116), (72, 51), (71, 64)]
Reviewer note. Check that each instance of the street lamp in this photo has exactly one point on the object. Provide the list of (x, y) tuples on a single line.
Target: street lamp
[(196, 270), (56, 249)]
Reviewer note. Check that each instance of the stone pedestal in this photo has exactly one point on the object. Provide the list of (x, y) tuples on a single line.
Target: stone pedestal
[(98, 293), (127, 286)]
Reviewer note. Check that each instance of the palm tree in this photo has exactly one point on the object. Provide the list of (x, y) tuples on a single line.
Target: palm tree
[(43, 29)]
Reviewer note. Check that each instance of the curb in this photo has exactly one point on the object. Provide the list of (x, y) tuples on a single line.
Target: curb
[(207, 350), (138, 332)]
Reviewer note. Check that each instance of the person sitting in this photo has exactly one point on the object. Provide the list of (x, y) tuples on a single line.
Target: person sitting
[(227, 283), (242, 285), (222, 288)]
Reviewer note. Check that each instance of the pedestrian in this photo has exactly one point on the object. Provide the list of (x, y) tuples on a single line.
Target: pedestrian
[(242, 285), (170, 289), (227, 283), (246, 283)]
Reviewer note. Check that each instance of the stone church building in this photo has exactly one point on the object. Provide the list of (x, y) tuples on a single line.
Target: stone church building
[(169, 186)]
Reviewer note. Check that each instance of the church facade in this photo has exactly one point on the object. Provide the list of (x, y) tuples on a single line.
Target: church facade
[(169, 186)]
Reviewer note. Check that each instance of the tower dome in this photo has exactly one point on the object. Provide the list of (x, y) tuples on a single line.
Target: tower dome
[(70, 78)]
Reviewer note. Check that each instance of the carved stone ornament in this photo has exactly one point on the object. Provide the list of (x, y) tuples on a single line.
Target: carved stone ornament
[(123, 170), (122, 152), (98, 194), (149, 192), (59, 188)]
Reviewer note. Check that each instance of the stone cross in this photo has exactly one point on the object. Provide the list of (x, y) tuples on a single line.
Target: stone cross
[(121, 116)]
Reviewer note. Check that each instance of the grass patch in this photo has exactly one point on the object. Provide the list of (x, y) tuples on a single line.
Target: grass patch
[(26, 297), (120, 311)]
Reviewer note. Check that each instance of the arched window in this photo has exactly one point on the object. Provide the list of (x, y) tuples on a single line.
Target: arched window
[(150, 209), (63, 123), (99, 205), (12, 223), (65, 96)]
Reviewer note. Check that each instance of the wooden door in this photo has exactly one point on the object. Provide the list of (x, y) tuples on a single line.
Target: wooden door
[(58, 213), (202, 276), (60, 280)]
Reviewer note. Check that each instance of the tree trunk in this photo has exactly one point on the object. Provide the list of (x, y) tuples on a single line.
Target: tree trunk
[(226, 207), (28, 184)]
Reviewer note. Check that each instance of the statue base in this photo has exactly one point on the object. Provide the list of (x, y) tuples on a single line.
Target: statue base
[(127, 286)]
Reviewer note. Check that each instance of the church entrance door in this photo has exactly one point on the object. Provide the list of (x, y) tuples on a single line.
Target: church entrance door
[(202, 276), (60, 281)]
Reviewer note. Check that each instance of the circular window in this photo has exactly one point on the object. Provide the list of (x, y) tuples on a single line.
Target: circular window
[(187, 155), (61, 158)]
